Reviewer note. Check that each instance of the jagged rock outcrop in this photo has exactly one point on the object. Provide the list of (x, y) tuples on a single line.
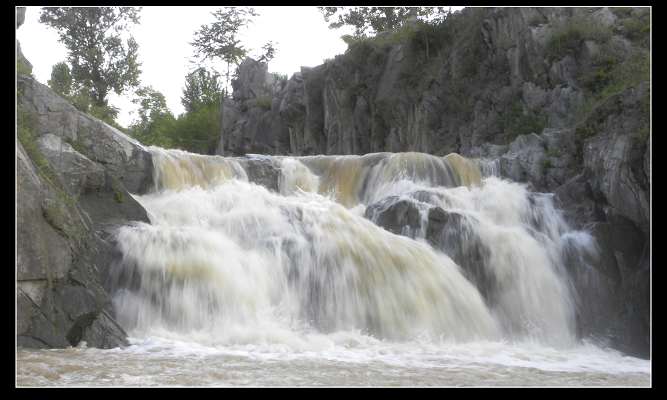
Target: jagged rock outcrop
[(74, 179), (558, 97)]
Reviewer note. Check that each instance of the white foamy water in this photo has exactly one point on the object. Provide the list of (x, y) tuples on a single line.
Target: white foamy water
[(343, 359), (233, 284)]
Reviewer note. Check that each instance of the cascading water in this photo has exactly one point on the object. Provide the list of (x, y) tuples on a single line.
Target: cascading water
[(228, 261), (234, 261), (319, 283)]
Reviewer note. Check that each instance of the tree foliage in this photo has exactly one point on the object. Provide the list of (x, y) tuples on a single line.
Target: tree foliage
[(201, 88), (369, 20), (79, 95), (197, 130), (219, 40), (152, 105), (100, 61), (268, 52), (61, 79)]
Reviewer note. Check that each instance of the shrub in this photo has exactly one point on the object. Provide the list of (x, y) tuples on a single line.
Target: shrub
[(515, 122), (568, 36), (638, 29), (621, 12), (279, 77), (22, 68), (25, 130), (601, 73), (264, 102)]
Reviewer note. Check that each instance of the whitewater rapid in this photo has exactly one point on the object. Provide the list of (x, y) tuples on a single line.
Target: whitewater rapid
[(303, 277)]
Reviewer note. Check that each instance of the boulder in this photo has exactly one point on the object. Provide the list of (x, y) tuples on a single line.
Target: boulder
[(123, 157), (401, 216), (60, 292)]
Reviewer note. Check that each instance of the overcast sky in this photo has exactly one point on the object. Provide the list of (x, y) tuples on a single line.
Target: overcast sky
[(302, 36)]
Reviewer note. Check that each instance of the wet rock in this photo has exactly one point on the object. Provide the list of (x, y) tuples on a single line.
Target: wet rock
[(451, 233), (263, 171), (398, 215)]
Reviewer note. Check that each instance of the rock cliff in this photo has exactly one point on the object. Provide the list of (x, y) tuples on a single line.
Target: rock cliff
[(74, 178)]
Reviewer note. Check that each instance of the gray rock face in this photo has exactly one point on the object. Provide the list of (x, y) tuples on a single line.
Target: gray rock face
[(123, 157), (253, 80), (374, 99), (78, 171), (60, 293), (73, 189), (20, 16), (42, 251), (616, 156), (524, 162), (253, 118)]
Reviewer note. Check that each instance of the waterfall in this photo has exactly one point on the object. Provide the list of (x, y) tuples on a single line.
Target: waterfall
[(227, 261)]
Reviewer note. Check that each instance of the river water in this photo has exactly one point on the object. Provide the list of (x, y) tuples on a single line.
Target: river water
[(345, 360), (233, 284)]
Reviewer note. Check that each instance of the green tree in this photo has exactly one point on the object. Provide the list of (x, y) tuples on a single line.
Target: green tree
[(155, 122), (79, 95), (100, 61), (378, 19), (219, 40), (198, 131), (201, 88), (152, 104), (61, 79)]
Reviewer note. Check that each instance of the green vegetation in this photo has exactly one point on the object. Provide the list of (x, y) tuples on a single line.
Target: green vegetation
[(638, 29), (201, 87), (22, 68), (568, 36), (80, 96), (515, 122), (584, 131), (634, 24), (118, 195), (57, 212), (263, 102), (279, 77), (219, 40), (621, 12), (99, 59), (426, 49), (612, 74), (197, 130), (374, 20), (25, 127), (537, 20), (553, 152)]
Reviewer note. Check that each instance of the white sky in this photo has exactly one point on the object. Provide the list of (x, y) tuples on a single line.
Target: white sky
[(301, 35)]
